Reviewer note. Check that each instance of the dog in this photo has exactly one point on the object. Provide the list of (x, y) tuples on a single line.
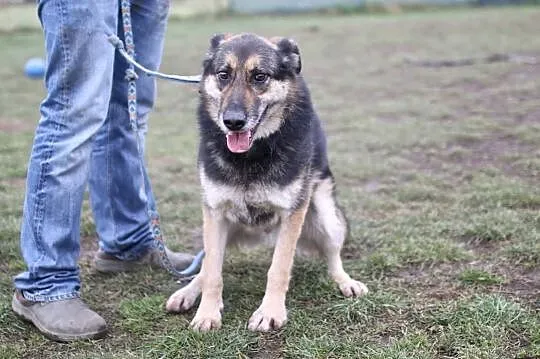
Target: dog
[(264, 173)]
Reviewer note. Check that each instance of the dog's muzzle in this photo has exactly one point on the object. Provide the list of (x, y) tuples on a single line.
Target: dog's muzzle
[(242, 129), (239, 138)]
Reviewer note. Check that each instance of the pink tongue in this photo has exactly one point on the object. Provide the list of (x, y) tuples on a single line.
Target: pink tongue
[(238, 142)]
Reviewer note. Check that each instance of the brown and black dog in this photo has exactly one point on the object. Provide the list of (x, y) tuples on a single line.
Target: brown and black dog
[(264, 173)]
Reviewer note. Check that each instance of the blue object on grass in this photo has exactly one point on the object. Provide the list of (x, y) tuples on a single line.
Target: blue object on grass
[(194, 267), (35, 68)]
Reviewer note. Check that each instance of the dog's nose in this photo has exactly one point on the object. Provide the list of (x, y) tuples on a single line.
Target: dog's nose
[(234, 120)]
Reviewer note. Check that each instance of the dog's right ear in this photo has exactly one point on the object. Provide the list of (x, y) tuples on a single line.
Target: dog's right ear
[(290, 54), (215, 41)]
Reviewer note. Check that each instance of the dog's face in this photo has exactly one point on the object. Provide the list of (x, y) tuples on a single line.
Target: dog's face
[(246, 82)]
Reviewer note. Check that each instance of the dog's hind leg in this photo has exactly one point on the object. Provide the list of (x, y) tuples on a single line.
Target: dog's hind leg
[(209, 282), (327, 227), (272, 313)]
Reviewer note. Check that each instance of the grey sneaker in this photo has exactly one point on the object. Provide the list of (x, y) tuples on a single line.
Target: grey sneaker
[(62, 320), (107, 263)]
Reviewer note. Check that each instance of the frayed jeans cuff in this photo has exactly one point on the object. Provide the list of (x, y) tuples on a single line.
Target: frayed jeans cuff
[(49, 298)]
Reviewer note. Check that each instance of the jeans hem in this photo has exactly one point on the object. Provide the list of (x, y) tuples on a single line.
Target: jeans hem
[(50, 298)]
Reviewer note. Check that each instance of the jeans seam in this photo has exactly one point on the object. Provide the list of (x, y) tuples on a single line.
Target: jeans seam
[(108, 164), (39, 206)]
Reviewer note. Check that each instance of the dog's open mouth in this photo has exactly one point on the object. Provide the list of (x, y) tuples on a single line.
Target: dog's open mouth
[(239, 141)]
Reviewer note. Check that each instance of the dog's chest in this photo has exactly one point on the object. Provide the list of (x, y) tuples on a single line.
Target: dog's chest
[(253, 205)]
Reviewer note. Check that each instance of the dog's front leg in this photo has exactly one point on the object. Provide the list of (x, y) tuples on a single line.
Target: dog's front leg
[(208, 315), (272, 313)]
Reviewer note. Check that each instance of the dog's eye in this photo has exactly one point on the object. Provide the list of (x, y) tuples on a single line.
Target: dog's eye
[(223, 75), (260, 77)]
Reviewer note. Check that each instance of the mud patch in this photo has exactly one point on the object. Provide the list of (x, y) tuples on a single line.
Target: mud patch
[(525, 287), (441, 282), (468, 153), (271, 347)]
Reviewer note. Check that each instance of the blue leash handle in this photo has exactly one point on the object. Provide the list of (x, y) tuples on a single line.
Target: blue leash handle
[(192, 269)]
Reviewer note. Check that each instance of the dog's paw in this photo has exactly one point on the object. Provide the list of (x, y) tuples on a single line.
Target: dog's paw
[(182, 300), (268, 318), (353, 288), (206, 322)]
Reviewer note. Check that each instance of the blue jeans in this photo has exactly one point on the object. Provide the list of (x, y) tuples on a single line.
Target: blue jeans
[(84, 138)]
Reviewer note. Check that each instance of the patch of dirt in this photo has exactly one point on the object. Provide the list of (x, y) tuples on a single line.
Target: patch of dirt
[(522, 285), (428, 284), (482, 247), (530, 117), (469, 153), (271, 347), (440, 282), (503, 98)]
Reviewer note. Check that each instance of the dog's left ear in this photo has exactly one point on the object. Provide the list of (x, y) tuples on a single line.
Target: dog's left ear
[(290, 54)]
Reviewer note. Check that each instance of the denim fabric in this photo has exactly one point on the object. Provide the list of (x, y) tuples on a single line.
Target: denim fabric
[(84, 138)]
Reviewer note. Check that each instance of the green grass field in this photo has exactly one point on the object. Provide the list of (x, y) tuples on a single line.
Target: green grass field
[(437, 168)]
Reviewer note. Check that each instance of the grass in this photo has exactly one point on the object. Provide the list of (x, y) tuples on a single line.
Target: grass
[(476, 276), (437, 169)]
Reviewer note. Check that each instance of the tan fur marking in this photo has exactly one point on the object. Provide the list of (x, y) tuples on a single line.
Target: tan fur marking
[(252, 63), (334, 227), (232, 60), (276, 93), (282, 260), (214, 96), (230, 36), (272, 313), (208, 314), (273, 41)]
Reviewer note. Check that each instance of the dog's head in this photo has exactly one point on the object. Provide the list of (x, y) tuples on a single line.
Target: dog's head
[(246, 82)]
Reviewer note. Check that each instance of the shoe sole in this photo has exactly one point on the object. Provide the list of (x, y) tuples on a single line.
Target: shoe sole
[(26, 314)]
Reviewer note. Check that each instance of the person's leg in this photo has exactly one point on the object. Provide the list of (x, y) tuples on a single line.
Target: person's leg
[(78, 81), (120, 190)]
